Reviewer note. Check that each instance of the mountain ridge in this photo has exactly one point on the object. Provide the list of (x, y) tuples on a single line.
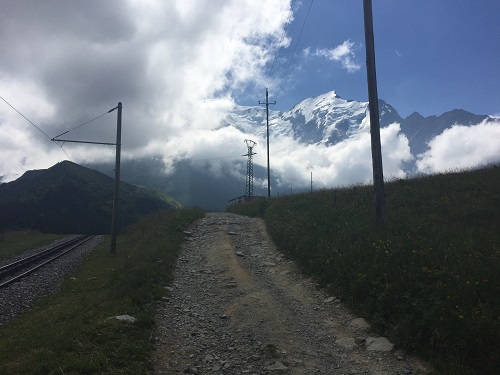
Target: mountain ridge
[(329, 119), (69, 198)]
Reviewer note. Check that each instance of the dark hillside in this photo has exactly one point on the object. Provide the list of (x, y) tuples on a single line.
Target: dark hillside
[(69, 198), (191, 185)]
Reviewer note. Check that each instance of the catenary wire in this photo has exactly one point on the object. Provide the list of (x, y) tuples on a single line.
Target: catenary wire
[(27, 119), (11, 106)]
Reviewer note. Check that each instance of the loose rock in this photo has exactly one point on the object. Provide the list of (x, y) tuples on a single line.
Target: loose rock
[(126, 318), (360, 324), (378, 344), (347, 343), (277, 368)]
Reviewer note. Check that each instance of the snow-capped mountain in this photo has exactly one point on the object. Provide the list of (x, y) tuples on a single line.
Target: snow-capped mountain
[(329, 119), (325, 119)]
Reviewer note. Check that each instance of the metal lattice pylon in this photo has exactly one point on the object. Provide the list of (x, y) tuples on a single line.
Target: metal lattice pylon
[(249, 179)]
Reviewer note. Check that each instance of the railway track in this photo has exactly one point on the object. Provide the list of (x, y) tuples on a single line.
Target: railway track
[(15, 271)]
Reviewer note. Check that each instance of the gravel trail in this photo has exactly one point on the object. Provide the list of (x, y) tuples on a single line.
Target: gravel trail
[(237, 306)]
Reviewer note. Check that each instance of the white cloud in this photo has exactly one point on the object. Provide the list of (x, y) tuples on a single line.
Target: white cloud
[(462, 147), (343, 53), (175, 65), (345, 163), (20, 151)]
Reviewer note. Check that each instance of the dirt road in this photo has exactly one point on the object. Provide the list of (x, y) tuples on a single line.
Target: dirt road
[(237, 306)]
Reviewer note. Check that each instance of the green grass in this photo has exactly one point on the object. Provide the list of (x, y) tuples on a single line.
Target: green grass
[(430, 278), (14, 242), (70, 332)]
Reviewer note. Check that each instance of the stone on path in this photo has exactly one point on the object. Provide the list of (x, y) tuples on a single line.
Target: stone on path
[(126, 318), (360, 324), (347, 343), (277, 368), (378, 344), (269, 264)]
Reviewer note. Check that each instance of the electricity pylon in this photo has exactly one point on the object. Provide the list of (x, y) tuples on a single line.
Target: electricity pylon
[(249, 180)]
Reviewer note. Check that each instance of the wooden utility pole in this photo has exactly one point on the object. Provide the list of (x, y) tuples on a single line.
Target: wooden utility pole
[(378, 174), (114, 219), (268, 167)]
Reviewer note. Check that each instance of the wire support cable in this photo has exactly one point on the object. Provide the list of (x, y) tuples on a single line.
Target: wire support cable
[(79, 126)]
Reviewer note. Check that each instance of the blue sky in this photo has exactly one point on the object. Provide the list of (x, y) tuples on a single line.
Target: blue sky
[(432, 55)]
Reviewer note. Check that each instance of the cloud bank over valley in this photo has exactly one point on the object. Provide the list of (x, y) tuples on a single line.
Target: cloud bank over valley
[(179, 68)]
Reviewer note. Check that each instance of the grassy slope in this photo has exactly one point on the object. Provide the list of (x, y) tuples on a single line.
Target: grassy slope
[(14, 242), (430, 278), (69, 332)]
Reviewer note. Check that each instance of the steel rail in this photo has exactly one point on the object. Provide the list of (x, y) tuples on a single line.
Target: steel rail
[(9, 268), (64, 248)]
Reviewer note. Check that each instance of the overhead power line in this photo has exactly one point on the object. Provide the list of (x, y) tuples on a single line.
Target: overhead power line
[(27, 119), (295, 47), (279, 44), (40, 130)]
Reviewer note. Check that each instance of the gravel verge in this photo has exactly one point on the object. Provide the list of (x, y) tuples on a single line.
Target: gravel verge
[(19, 296)]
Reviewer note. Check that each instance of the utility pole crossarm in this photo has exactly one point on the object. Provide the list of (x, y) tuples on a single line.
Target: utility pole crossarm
[(90, 142)]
